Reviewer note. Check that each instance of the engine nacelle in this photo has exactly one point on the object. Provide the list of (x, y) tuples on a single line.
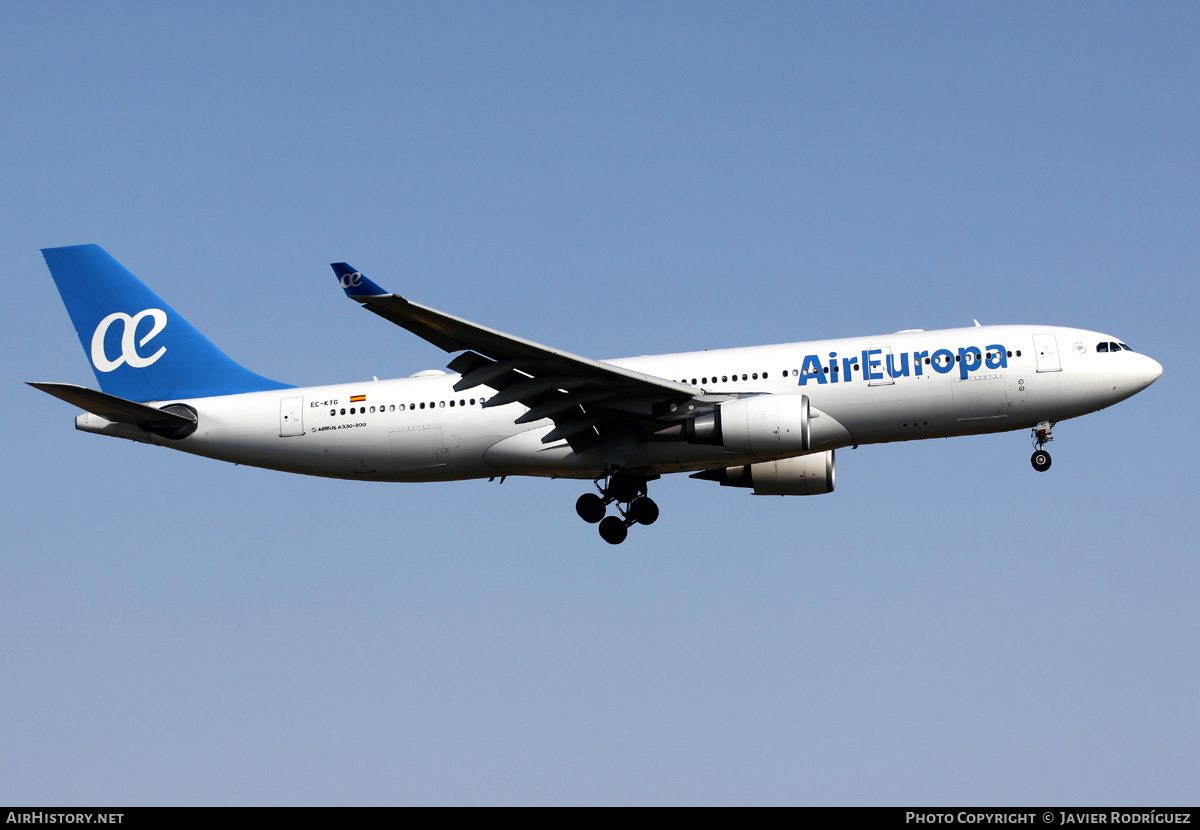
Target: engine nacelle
[(805, 475), (758, 425)]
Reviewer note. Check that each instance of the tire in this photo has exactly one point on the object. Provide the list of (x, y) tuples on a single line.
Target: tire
[(613, 530), (643, 510), (1040, 461), (590, 508)]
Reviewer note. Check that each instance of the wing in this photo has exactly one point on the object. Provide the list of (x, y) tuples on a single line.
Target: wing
[(585, 398)]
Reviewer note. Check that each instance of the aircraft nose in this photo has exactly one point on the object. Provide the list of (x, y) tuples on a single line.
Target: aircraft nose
[(1151, 371)]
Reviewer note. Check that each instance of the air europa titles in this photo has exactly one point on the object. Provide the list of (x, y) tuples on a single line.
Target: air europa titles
[(878, 364)]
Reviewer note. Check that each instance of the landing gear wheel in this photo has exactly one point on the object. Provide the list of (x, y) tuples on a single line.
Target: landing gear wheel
[(1040, 461), (643, 510), (590, 508), (613, 530)]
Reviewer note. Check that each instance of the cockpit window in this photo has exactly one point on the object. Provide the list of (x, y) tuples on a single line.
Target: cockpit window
[(1126, 348), (1114, 347), (1102, 347)]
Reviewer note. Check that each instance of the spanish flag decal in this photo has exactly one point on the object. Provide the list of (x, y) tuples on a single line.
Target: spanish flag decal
[(357, 398)]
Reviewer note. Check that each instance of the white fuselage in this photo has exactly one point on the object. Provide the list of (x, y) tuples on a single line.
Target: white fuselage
[(895, 387)]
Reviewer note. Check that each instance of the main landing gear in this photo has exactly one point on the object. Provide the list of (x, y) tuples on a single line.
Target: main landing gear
[(1041, 437), (634, 506)]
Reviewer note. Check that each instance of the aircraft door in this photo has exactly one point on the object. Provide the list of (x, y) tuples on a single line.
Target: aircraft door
[(978, 399), (876, 369), (291, 417), (416, 447), (1046, 349), (449, 443)]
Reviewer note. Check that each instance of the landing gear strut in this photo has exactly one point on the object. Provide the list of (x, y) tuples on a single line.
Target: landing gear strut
[(629, 494), (1041, 436)]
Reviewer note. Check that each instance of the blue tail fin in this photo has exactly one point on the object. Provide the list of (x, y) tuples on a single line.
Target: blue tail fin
[(140, 348)]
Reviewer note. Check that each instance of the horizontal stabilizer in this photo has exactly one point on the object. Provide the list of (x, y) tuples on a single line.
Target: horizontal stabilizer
[(112, 408)]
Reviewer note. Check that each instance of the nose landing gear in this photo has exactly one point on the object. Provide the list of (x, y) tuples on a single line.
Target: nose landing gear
[(1041, 436), (633, 505)]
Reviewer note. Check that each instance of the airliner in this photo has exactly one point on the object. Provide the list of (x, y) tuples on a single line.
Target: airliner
[(765, 418)]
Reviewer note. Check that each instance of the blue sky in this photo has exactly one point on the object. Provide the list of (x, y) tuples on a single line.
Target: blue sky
[(948, 627)]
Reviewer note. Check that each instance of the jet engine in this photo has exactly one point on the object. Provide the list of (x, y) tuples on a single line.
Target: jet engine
[(758, 425), (805, 475)]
